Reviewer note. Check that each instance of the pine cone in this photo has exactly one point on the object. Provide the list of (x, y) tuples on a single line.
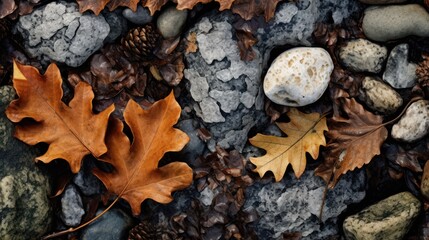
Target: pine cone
[(140, 42), (147, 231), (422, 73)]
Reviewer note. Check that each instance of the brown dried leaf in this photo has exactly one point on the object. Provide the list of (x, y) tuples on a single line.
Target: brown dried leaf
[(248, 9), (354, 141), (191, 43), (55, 122), (154, 5), (7, 7)]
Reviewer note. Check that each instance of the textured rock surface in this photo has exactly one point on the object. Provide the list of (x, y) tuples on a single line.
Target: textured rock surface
[(113, 225), (171, 21), (380, 96), (414, 124), (86, 181), (384, 23), (361, 55), (376, 2), (293, 205), (117, 24), (196, 146), (217, 68), (71, 207), (58, 32), (24, 206), (400, 73), (298, 76), (140, 17), (389, 219)]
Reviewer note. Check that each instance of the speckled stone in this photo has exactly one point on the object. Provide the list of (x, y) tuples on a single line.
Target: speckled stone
[(389, 219), (380, 2), (400, 73), (379, 96), (414, 124), (361, 55), (385, 23), (298, 76), (171, 21)]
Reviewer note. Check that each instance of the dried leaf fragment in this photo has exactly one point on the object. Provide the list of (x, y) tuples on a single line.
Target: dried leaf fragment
[(72, 131), (305, 134), (137, 176), (354, 141)]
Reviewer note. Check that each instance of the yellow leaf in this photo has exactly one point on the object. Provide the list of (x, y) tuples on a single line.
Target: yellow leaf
[(304, 134)]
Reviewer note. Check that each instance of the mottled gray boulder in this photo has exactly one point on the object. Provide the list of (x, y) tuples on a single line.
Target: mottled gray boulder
[(171, 22), (59, 32), (293, 205), (385, 23), (389, 219), (400, 73), (141, 16), (24, 206), (414, 124), (379, 96), (71, 207), (361, 55), (113, 225), (225, 91)]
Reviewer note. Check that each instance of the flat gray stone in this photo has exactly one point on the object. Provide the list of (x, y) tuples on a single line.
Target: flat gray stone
[(113, 225), (361, 55), (71, 207), (385, 23), (379, 96), (400, 73), (414, 124), (171, 21), (389, 219), (140, 17)]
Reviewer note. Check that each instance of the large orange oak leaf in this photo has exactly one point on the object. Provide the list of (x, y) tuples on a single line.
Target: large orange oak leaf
[(136, 175), (354, 141), (304, 134), (72, 131)]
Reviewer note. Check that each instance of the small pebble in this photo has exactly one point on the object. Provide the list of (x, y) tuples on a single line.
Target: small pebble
[(414, 124), (400, 73), (71, 207), (385, 23), (361, 55), (389, 219), (171, 21), (298, 76), (141, 16), (380, 96)]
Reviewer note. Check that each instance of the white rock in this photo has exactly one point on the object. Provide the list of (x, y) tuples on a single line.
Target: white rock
[(400, 73), (414, 124), (361, 55), (379, 96), (298, 76)]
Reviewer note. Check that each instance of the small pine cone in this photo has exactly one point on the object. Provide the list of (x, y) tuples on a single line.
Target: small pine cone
[(140, 42), (422, 73), (147, 231)]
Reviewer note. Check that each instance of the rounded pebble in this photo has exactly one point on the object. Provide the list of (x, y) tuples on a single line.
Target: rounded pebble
[(380, 2), (380, 96), (361, 55), (298, 76), (414, 124), (171, 21), (385, 23), (141, 16), (400, 73)]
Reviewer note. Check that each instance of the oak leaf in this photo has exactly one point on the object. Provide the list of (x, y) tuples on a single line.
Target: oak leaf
[(354, 141), (136, 176), (247, 9), (72, 131), (305, 134)]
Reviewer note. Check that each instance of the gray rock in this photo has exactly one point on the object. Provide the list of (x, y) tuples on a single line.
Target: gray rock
[(117, 24), (171, 22), (86, 181), (414, 124), (293, 205), (389, 219), (381, 2), (141, 16), (113, 225), (379, 96), (400, 73), (298, 76), (71, 207), (24, 188), (385, 23), (361, 55), (59, 32), (196, 146)]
